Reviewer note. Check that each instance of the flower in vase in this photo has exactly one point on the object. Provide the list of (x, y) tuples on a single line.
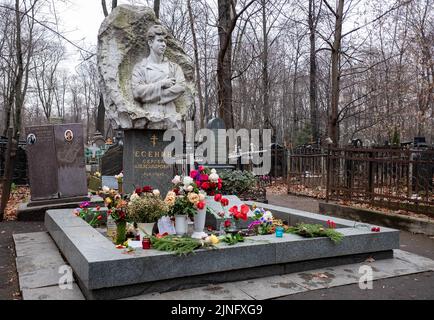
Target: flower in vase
[(187, 181), (201, 205), (188, 188), (170, 198), (214, 177), (193, 198), (193, 174), (147, 189), (134, 197), (202, 196), (176, 180)]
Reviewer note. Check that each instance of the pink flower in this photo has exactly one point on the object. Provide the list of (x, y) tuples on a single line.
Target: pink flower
[(201, 168), (218, 197), (228, 223), (193, 174)]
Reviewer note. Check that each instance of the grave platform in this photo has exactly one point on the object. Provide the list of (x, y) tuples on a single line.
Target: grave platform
[(104, 272)]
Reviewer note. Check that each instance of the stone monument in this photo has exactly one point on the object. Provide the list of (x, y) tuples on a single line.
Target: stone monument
[(147, 83)]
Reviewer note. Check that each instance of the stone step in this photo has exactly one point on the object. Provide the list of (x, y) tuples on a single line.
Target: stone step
[(42, 272)]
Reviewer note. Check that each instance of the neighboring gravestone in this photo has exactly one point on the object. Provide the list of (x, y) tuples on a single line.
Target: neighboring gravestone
[(56, 162), (111, 161), (143, 161), (109, 182), (215, 125)]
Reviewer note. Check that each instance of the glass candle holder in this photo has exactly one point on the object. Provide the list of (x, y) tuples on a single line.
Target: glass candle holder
[(279, 232)]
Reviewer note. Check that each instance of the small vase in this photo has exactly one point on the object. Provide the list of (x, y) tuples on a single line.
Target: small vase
[(181, 225), (121, 232), (199, 224)]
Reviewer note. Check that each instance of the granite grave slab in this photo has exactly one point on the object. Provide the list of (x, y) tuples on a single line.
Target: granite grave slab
[(92, 257)]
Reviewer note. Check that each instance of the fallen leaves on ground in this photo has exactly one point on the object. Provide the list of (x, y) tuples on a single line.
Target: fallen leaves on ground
[(18, 196)]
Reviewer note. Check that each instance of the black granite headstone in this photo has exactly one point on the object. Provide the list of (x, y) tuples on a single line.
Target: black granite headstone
[(70, 160), (215, 125), (143, 161), (111, 161), (42, 163), (56, 162)]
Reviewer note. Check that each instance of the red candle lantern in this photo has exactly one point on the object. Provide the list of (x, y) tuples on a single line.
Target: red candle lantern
[(146, 243)]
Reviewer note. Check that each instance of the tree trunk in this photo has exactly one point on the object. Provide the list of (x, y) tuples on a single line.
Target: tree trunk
[(196, 58), (265, 75), (313, 74), (335, 90), (224, 64)]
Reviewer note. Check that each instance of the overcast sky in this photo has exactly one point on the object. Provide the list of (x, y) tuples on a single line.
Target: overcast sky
[(80, 21)]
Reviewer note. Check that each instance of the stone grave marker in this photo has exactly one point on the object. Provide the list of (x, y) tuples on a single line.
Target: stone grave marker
[(143, 161), (215, 125), (56, 162), (111, 161), (42, 163), (110, 182)]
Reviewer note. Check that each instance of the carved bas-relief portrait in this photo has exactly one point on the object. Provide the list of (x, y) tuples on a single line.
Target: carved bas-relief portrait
[(146, 78), (156, 81)]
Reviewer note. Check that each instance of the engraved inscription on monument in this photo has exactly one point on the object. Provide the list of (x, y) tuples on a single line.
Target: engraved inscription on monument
[(144, 160)]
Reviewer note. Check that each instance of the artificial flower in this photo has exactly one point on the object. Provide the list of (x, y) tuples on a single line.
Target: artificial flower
[(228, 223), (205, 186), (201, 168), (218, 197)]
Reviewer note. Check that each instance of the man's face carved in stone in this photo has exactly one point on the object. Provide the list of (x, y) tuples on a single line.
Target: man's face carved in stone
[(158, 45)]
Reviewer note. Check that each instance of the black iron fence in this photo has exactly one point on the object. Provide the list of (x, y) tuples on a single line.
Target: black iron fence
[(399, 179), (20, 175)]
